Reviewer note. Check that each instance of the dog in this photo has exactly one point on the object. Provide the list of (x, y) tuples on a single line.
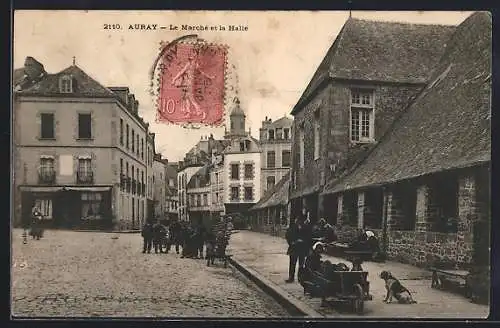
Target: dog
[(396, 290)]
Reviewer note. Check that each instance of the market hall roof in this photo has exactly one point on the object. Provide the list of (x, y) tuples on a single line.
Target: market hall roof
[(277, 195), (381, 52), (448, 124)]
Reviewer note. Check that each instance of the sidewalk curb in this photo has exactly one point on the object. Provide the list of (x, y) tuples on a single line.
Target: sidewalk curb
[(114, 231), (294, 306)]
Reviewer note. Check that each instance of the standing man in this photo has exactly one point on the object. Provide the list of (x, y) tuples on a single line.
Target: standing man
[(147, 236), (175, 235), (158, 236), (297, 248)]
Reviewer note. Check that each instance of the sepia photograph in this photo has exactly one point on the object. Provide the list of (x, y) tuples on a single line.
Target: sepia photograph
[(251, 164)]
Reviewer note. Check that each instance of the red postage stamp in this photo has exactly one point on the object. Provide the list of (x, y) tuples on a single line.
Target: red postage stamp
[(192, 84)]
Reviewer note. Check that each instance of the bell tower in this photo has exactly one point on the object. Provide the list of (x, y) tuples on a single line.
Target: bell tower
[(237, 119)]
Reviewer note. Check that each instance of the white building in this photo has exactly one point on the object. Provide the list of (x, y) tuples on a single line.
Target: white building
[(242, 166), (160, 185), (183, 177)]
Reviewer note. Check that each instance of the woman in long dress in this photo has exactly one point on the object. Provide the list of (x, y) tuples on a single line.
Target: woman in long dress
[(36, 223)]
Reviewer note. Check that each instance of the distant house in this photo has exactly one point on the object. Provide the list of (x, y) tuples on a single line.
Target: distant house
[(275, 143), (171, 196)]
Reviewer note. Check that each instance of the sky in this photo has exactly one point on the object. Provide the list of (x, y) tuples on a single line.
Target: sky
[(272, 62)]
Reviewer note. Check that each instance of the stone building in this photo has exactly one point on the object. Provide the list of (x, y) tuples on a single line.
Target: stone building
[(150, 151), (276, 143), (369, 74), (242, 166), (425, 187), (79, 150)]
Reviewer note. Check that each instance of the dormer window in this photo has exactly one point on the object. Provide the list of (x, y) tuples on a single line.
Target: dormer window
[(66, 84), (271, 134)]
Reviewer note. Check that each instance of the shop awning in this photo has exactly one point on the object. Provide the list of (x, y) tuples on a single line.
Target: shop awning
[(89, 188), (41, 188)]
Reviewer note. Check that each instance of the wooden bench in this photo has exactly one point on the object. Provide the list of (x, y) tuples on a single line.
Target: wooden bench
[(443, 278)]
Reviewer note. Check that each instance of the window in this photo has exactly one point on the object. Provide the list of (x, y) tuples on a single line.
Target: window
[(242, 146), (137, 146), (47, 126), (121, 132), (216, 199), (45, 207), (286, 133), (84, 170), (362, 107), (248, 193), (142, 149), (316, 135), (47, 171), (235, 171), (271, 180), (91, 206), (235, 193), (285, 158), (205, 199), (66, 84), (133, 140), (242, 125), (271, 159), (126, 136), (84, 126), (217, 178), (121, 165), (279, 133), (301, 147), (270, 134), (171, 182), (198, 200), (248, 171)]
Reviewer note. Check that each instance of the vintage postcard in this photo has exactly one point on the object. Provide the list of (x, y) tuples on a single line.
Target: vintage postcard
[(274, 164)]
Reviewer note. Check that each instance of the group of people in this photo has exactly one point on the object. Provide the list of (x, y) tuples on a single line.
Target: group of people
[(305, 244), (189, 239)]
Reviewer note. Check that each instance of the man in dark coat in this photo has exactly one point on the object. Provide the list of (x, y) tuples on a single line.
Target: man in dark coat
[(159, 231), (175, 235), (298, 245), (147, 236)]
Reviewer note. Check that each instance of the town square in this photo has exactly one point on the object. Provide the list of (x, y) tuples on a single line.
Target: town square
[(238, 175)]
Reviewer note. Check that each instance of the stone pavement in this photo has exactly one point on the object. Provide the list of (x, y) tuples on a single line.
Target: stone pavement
[(84, 274), (267, 255)]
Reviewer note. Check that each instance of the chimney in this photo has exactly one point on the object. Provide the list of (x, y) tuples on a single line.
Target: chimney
[(122, 93)]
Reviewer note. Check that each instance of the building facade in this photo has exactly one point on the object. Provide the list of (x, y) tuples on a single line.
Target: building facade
[(160, 186), (242, 166), (183, 177), (172, 197), (79, 151), (276, 146), (425, 188), (199, 197), (352, 101)]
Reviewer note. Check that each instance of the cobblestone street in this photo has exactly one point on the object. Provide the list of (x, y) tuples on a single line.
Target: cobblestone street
[(104, 274)]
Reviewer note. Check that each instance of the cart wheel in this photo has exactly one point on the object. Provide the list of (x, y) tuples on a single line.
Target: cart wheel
[(358, 304)]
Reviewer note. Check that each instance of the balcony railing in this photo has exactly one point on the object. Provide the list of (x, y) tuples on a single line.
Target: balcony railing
[(47, 176), (85, 177)]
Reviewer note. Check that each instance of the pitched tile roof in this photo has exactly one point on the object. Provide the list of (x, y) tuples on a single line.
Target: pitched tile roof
[(202, 175), (448, 124), (85, 86), (381, 51), (284, 122), (278, 195)]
